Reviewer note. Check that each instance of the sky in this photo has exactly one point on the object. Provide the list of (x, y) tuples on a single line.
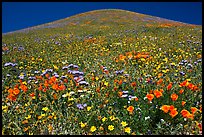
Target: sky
[(20, 15)]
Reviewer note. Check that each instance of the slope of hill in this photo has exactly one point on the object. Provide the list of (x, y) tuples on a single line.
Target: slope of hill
[(103, 72)]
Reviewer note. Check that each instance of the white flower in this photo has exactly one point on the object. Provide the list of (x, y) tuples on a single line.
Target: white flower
[(146, 118)]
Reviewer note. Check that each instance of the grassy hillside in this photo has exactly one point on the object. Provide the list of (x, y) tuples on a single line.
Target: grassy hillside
[(103, 72)]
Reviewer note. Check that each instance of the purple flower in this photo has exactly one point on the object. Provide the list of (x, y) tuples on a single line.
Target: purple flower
[(81, 106), (83, 83), (182, 73)]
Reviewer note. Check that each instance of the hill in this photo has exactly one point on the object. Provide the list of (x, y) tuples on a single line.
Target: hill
[(103, 72)]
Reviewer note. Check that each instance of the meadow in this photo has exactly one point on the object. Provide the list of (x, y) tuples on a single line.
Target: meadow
[(103, 73)]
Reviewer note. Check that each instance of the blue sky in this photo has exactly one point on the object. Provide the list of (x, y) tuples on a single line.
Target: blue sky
[(19, 15)]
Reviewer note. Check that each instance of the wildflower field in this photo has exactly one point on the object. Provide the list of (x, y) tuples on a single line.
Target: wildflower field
[(105, 72)]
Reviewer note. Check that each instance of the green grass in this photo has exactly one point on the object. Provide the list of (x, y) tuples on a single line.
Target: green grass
[(92, 40)]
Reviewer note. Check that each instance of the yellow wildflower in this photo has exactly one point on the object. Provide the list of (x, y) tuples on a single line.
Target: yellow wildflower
[(124, 124), (104, 119), (127, 129), (110, 127), (45, 108), (93, 128)]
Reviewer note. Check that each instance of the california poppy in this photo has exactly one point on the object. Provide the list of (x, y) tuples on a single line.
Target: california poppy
[(150, 97), (169, 86), (183, 103), (174, 97), (130, 109), (165, 108), (173, 113), (193, 109), (157, 93)]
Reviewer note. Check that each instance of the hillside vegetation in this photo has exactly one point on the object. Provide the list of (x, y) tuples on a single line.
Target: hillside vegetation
[(103, 72)]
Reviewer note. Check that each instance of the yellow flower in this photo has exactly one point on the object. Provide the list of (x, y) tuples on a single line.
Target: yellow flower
[(106, 83), (55, 67), (124, 124), (96, 78), (5, 108), (28, 117), (82, 124), (104, 119), (88, 108), (45, 108), (127, 129), (93, 128), (25, 83), (110, 127), (42, 115), (112, 118)]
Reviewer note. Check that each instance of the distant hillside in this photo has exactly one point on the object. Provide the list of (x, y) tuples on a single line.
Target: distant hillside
[(107, 17)]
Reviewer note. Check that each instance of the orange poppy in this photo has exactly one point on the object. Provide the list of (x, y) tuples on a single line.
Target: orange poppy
[(62, 87), (173, 113), (150, 97), (120, 82), (159, 81), (186, 114), (184, 83), (130, 109), (32, 94), (161, 90), (10, 90), (190, 86), (169, 86), (157, 93), (55, 86), (136, 99), (23, 87), (195, 88), (133, 84), (47, 75), (181, 91), (122, 57), (183, 103), (174, 97), (171, 108), (54, 96), (11, 97), (46, 84), (120, 93), (40, 87), (16, 91), (165, 108), (193, 109)]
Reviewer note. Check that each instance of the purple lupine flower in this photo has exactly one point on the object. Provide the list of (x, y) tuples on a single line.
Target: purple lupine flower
[(70, 65), (65, 67), (81, 106), (36, 72), (63, 76), (182, 73), (75, 66), (69, 71), (49, 70), (83, 83), (32, 78)]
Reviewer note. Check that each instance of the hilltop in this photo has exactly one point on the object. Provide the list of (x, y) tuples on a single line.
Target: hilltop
[(108, 18)]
